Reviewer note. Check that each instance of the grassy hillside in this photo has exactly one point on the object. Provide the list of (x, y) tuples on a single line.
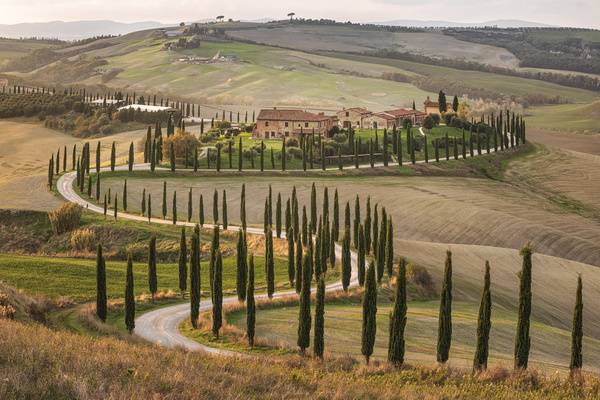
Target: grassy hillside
[(76, 366)]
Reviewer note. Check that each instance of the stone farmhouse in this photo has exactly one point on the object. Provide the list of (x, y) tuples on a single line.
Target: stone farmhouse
[(352, 117), (358, 117), (431, 107), (278, 123)]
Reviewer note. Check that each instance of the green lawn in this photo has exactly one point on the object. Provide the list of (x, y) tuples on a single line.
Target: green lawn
[(76, 278), (566, 117)]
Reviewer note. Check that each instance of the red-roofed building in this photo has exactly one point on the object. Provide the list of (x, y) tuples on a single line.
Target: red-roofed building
[(416, 117), (431, 107), (353, 117), (278, 123), (380, 120)]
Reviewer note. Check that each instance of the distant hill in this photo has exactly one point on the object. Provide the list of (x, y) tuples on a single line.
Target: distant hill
[(74, 29), (500, 23)]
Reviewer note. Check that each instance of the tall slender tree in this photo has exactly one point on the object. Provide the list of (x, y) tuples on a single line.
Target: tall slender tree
[(201, 211), (101, 304), (361, 255), (243, 207), (182, 263), (389, 249), (129, 297), (396, 344), (291, 257), (174, 208), (523, 340), (357, 221), (278, 216), (336, 217), (313, 209), (224, 204), (164, 200), (445, 316), (216, 207), (346, 260), (298, 265), (113, 156), (195, 277), (484, 323), (319, 339), (241, 270), (270, 263), (304, 318), (131, 157), (217, 309), (577, 333), (369, 314), (250, 304), (152, 278)]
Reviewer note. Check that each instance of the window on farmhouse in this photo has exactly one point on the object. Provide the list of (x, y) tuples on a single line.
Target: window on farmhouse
[(267, 123), (286, 124), (306, 124), (347, 114)]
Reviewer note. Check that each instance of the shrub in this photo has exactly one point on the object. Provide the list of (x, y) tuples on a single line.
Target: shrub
[(65, 218), (291, 142), (7, 311), (182, 141), (83, 240), (419, 276)]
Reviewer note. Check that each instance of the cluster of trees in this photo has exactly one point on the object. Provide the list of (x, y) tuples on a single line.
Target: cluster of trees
[(311, 240), (23, 104)]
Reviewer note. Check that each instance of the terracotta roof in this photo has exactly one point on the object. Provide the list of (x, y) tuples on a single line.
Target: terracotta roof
[(429, 103), (403, 112), (274, 114), (384, 115), (360, 110)]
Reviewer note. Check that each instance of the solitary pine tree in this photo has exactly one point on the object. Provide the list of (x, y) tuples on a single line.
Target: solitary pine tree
[(250, 304), (182, 263), (577, 334), (217, 309), (445, 316), (152, 279), (484, 324), (319, 341), (523, 341), (195, 277), (369, 314), (101, 305), (396, 344), (129, 297), (304, 318)]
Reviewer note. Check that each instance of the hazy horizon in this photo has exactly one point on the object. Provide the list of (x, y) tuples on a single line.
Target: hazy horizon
[(581, 13)]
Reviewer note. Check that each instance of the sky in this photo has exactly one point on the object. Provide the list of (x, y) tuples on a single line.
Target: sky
[(580, 13)]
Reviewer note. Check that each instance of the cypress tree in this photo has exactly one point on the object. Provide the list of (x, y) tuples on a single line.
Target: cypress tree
[(201, 211), (174, 207), (152, 279), (250, 304), (283, 155), (125, 195), (143, 205), (369, 314), (336, 217), (298, 277), (189, 206), (216, 207), (483, 324), (389, 249), (105, 205), (97, 187), (131, 156), (266, 217), (218, 158), (445, 316), (98, 157), (523, 341), (368, 226), (304, 225), (195, 159), (195, 277), (304, 318), (325, 204), (89, 186), (74, 157), (288, 217), (270, 264), (346, 261), (319, 340), (243, 207), (332, 256), (361, 256), (225, 224), (313, 209), (149, 207), (357, 221), (172, 157), (214, 248), (291, 257), (129, 297), (182, 264), (380, 255), (270, 205), (396, 344), (278, 216), (116, 206), (240, 277), (217, 309), (347, 216), (577, 333), (240, 155), (164, 200), (101, 305), (113, 156)]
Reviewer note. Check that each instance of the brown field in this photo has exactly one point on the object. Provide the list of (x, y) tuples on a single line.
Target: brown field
[(352, 39), (583, 143), (25, 148)]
